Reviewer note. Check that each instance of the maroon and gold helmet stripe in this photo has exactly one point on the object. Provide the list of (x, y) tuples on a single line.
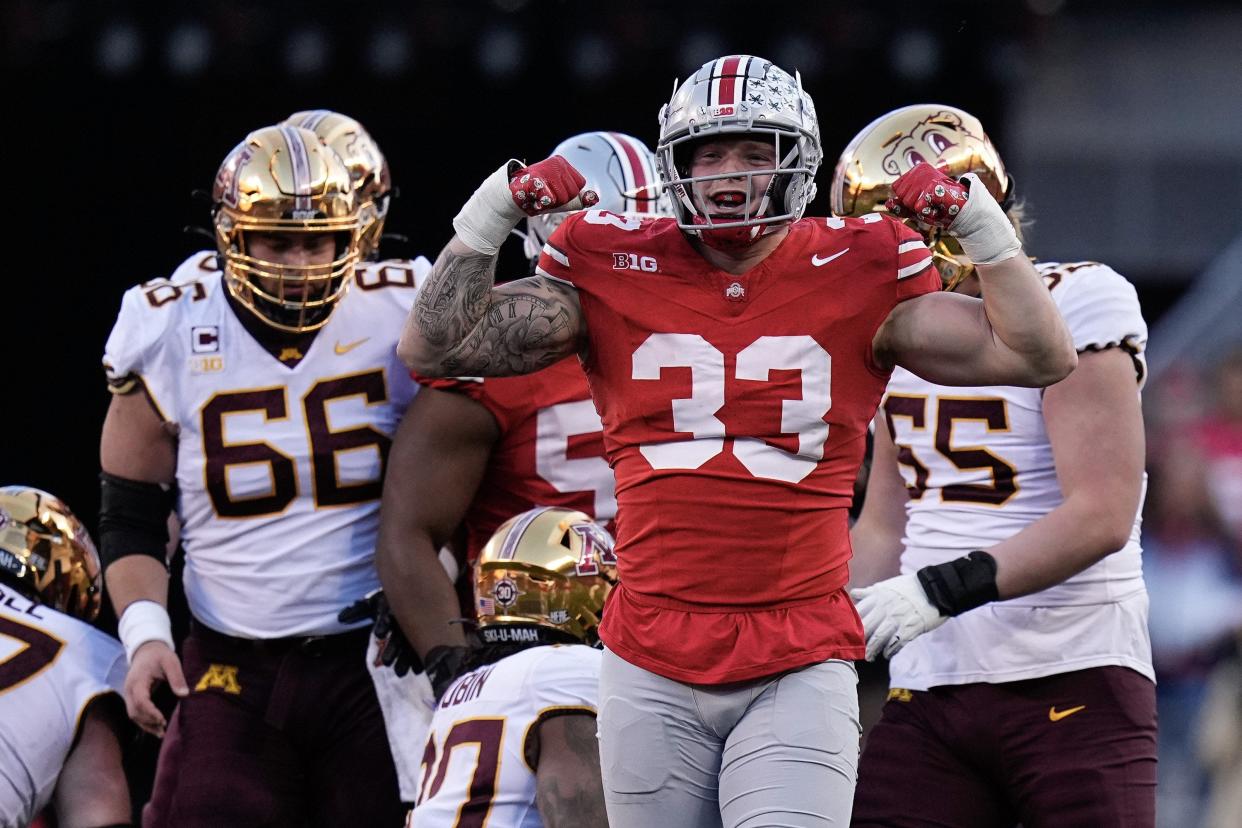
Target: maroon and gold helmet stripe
[(299, 162), (514, 538)]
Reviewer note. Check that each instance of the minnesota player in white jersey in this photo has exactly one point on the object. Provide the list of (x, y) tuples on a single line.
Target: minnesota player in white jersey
[(259, 400), (1022, 683), (512, 742), (61, 716)]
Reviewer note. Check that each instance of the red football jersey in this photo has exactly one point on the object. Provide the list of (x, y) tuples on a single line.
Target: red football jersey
[(550, 451), (735, 414)]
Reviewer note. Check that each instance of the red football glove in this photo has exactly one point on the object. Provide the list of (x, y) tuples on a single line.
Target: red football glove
[(552, 184), (927, 195)]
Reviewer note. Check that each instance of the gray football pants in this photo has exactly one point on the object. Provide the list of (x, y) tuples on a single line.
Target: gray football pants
[(778, 751)]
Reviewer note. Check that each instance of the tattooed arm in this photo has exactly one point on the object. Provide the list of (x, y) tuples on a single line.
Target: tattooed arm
[(569, 789), (463, 325)]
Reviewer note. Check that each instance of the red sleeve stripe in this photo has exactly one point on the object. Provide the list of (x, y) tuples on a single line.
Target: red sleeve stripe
[(913, 244), (914, 269), (539, 271), (556, 254)]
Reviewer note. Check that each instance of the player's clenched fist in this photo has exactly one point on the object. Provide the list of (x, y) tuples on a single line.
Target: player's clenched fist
[(927, 194), (964, 208), (514, 192), (552, 184)]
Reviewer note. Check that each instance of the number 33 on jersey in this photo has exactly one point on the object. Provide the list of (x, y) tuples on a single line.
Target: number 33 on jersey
[(301, 439), (735, 412)]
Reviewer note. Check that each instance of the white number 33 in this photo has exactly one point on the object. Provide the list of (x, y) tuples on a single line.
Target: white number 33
[(696, 414)]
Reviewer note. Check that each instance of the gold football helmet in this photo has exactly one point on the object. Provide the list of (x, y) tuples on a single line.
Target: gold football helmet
[(546, 570), (892, 144), (46, 554), (367, 168), (282, 179)]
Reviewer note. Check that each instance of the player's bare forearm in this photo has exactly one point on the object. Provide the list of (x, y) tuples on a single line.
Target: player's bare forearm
[(569, 787), (876, 536), (1095, 425), (463, 326), (1025, 320)]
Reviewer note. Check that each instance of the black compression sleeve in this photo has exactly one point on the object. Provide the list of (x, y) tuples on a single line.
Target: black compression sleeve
[(133, 518)]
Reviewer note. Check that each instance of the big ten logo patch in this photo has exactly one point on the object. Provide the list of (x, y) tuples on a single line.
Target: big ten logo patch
[(219, 677), (633, 261)]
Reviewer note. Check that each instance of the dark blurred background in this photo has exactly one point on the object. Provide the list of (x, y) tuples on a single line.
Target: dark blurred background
[(1121, 121)]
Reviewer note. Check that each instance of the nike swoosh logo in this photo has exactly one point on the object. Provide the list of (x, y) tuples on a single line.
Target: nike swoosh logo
[(1055, 715), (345, 349), (820, 262)]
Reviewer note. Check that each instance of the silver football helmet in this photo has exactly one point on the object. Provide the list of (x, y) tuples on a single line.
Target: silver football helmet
[(741, 95), (620, 168)]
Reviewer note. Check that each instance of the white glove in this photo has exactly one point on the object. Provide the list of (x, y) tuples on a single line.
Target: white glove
[(894, 613)]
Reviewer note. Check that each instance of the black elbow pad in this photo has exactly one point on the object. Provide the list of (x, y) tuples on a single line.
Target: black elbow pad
[(133, 518)]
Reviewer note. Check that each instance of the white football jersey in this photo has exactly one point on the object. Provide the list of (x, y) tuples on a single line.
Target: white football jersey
[(474, 765), (279, 467), (979, 468), (51, 667)]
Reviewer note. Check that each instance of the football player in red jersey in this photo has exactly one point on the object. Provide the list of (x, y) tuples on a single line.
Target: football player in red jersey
[(736, 354)]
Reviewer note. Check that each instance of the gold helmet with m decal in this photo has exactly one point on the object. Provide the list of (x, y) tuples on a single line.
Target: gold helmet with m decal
[(543, 576)]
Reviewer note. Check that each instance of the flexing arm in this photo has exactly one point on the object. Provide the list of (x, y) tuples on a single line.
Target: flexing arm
[(463, 325), (1013, 336), (91, 789), (137, 446), (569, 788), (437, 459), (876, 536), (1095, 425)]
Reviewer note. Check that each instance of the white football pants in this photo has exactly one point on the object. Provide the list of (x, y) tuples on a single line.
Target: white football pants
[(777, 751)]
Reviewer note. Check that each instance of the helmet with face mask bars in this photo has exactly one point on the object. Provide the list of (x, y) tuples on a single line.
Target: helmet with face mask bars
[(741, 96), (284, 180)]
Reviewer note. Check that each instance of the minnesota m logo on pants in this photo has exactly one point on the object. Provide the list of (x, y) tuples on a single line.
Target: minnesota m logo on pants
[(219, 677)]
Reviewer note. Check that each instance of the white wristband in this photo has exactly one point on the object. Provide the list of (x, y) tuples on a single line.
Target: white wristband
[(487, 216), (983, 229), (141, 622)]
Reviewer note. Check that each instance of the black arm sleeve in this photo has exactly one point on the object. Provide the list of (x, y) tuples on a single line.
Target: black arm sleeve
[(133, 518)]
